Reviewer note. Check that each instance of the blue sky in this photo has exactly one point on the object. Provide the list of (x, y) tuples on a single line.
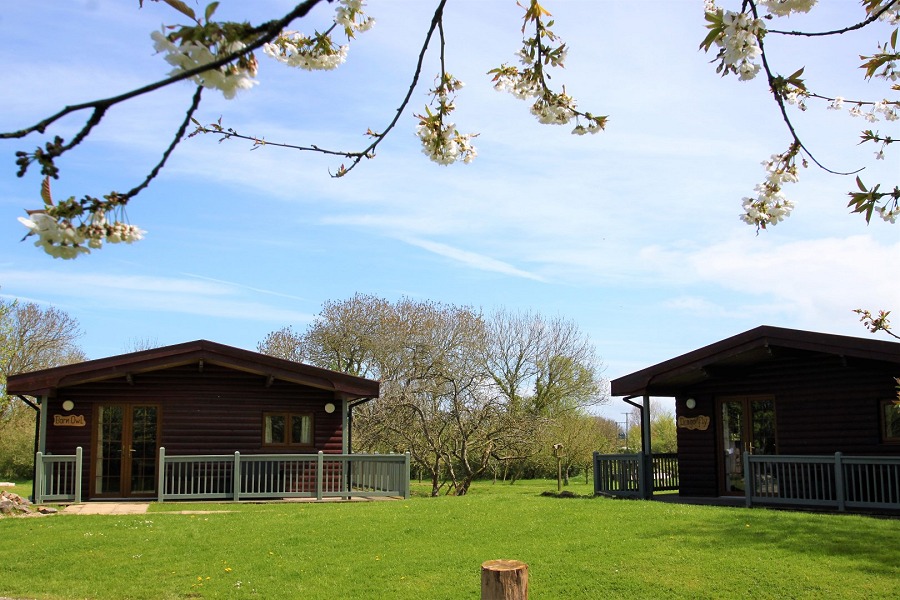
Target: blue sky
[(633, 233)]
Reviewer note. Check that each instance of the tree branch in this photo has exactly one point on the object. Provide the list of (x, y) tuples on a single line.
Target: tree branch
[(872, 18)]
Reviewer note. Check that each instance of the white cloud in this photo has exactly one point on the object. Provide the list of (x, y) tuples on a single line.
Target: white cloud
[(131, 293), (807, 281), (472, 259)]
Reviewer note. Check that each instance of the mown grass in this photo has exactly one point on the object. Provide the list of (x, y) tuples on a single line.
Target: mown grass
[(433, 548), (22, 488)]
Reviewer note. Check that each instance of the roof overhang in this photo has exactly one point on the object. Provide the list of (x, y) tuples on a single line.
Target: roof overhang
[(200, 352), (744, 351)]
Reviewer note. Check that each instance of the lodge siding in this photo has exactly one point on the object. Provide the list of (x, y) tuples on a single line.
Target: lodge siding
[(214, 411), (823, 404), (696, 463)]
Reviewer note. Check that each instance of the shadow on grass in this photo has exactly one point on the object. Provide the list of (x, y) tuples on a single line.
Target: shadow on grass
[(866, 543)]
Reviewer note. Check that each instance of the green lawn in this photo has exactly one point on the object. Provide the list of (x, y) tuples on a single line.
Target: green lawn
[(428, 548)]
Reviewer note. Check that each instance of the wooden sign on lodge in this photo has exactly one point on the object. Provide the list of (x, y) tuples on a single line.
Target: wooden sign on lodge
[(700, 423), (68, 420)]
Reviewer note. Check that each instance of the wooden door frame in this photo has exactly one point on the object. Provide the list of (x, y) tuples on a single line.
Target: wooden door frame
[(747, 400), (127, 437)]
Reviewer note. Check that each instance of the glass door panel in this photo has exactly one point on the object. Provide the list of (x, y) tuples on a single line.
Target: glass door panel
[(108, 461), (747, 424), (144, 425), (126, 450), (733, 445)]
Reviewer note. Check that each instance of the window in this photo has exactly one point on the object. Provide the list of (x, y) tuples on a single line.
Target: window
[(287, 429), (890, 418)]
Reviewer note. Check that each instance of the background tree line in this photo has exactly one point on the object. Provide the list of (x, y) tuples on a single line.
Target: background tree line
[(31, 338), (469, 395)]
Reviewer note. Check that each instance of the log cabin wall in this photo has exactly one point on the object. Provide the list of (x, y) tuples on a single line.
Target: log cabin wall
[(213, 411), (823, 405)]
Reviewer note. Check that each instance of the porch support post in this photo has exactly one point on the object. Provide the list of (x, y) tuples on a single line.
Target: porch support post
[(161, 478), (646, 452), (236, 476), (345, 426), (405, 474), (42, 432), (78, 472), (319, 475), (38, 491), (839, 481)]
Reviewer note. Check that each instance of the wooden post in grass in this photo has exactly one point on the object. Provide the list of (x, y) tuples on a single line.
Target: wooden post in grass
[(504, 580)]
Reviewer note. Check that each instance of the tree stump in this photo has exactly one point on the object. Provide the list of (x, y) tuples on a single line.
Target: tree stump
[(504, 580)]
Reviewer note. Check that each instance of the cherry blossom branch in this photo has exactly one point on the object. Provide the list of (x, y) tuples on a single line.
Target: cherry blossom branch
[(872, 18), (355, 156), (269, 31), (179, 135), (776, 86)]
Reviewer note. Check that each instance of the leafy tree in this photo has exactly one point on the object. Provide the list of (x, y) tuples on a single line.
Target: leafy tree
[(579, 435), (440, 399), (663, 431), (221, 55), (31, 338)]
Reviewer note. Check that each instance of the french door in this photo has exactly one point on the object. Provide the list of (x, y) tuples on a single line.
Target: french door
[(125, 450), (746, 425)]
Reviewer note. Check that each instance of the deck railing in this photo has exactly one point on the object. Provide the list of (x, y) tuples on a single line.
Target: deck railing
[(243, 477), (842, 482), (248, 476), (57, 477), (622, 474)]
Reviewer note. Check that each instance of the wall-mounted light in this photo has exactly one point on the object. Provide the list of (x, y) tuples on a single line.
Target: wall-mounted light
[(329, 408), (68, 405), (690, 403)]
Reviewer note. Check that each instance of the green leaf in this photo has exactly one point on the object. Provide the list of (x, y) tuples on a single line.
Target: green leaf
[(210, 9), (710, 39), (182, 8), (45, 192)]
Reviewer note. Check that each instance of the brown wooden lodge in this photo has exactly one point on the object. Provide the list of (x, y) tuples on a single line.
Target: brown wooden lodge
[(201, 420), (776, 416)]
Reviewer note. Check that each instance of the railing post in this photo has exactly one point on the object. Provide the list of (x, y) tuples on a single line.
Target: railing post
[(406, 473), (161, 477), (38, 491), (78, 471), (839, 481), (748, 481), (320, 471), (236, 476)]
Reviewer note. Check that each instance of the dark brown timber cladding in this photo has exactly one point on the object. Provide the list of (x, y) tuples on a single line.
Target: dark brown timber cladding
[(696, 462), (216, 411), (823, 405)]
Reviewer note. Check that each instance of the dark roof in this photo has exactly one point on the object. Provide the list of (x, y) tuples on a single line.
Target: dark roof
[(745, 349), (46, 381)]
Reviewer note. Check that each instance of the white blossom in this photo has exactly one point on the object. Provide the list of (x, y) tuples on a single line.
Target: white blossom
[(888, 215), (554, 109), (60, 238), (739, 42), (770, 206), (228, 78), (783, 8), (891, 15), (313, 54), (349, 13)]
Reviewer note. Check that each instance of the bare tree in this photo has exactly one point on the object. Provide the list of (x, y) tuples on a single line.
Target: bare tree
[(137, 344), (31, 338), (461, 395)]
